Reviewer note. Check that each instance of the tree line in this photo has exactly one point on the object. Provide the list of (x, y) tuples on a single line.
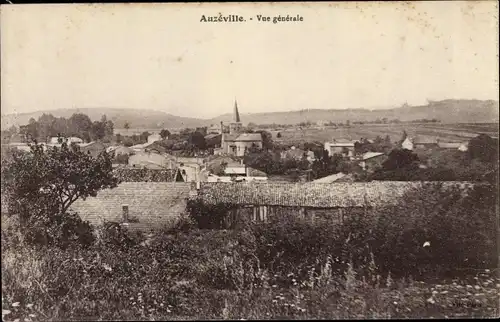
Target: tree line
[(78, 125)]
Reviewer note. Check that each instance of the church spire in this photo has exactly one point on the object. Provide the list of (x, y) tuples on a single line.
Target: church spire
[(236, 114)]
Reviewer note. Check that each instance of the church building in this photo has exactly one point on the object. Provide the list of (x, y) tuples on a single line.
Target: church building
[(236, 142)]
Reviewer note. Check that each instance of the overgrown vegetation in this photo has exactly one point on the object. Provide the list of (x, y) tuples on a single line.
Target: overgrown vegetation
[(433, 255)]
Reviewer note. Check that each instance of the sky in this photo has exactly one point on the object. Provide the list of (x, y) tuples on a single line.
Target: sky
[(161, 57)]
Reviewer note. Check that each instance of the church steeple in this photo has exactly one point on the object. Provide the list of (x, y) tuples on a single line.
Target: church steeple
[(236, 114)]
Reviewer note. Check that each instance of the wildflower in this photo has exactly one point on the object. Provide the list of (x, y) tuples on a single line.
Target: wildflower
[(487, 270), (476, 287), (168, 311), (32, 315), (396, 303), (275, 301), (15, 304), (303, 310), (161, 304), (131, 298), (107, 267), (431, 300), (274, 285), (444, 292), (427, 244), (29, 306), (134, 303)]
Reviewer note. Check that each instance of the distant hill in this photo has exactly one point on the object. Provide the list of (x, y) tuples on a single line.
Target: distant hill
[(447, 111), (135, 117)]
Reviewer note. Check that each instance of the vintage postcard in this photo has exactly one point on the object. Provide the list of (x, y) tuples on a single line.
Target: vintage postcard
[(329, 160)]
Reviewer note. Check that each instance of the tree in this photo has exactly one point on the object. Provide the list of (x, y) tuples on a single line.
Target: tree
[(197, 140), (81, 126), (98, 130), (164, 134), (267, 139), (43, 184), (483, 148), (401, 159), (126, 126)]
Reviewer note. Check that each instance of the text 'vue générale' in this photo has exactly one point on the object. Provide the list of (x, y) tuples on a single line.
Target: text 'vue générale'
[(258, 18)]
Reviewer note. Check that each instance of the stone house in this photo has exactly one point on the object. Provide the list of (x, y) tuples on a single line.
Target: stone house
[(372, 160), (136, 205), (343, 147)]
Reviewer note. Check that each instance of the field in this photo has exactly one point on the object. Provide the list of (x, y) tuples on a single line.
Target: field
[(445, 132)]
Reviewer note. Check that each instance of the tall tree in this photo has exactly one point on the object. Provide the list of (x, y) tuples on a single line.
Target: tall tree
[(45, 183), (164, 134)]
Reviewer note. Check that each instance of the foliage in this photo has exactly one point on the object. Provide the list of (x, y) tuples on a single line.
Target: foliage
[(327, 165), (78, 125), (41, 186), (484, 148), (208, 216), (164, 133)]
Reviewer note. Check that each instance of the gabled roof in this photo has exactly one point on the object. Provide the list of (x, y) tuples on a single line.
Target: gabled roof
[(314, 195), (330, 178), (369, 155), (152, 203), (249, 137), (450, 145)]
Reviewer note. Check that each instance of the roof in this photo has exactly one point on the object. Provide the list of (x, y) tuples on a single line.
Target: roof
[(152, 203), (235, 169), (330, 178), (229, 137), (132, 174), (369, 155), (249, 137), (256, 173), (450, 145), (211, 136), (313, 195)]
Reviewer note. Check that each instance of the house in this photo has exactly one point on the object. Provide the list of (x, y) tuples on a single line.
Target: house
[(117, 150), (213, 140), (314, 201), (407, 144), (344, 147), (136, 205), (93, 148), (425, 142), (154, 138), (372, 160), (237, 143), (151, 160), (68, 140), (238, 172), (461, 146)]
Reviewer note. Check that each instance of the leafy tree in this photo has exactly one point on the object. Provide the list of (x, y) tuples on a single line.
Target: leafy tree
[(164, 134), (42, 185), (197, 140), (267, 139), (126, 126), (484, 148), (98, 130), (401, 159), (81, 126)]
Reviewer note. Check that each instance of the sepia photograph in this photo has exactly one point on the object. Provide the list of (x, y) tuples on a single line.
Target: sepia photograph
[(250, 161)]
